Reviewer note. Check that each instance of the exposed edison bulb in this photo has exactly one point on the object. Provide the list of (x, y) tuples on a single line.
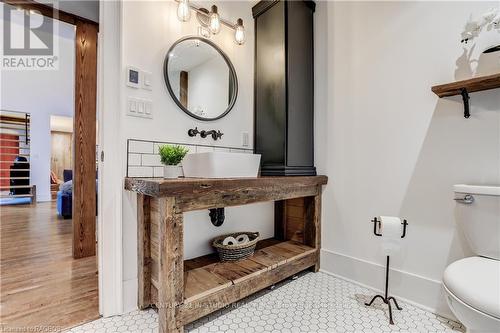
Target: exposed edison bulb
[(214, 25), (183, 11), (239, 32)]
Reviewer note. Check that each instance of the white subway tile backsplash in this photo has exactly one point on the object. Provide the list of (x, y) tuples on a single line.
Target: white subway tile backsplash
[(156, 147), (222, 150), (204, 149), (141, 171), (192, 149), (151, 160), (158, 171), (144, 160), (144, 147), (134, 159), (242, 151)]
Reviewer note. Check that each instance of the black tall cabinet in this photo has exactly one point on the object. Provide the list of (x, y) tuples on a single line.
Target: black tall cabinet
[(284, 87)]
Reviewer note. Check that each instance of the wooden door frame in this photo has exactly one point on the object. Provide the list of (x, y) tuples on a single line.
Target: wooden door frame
[(84, 134)]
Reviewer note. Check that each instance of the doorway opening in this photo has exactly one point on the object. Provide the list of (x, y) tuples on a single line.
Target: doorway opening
[(48, 194)]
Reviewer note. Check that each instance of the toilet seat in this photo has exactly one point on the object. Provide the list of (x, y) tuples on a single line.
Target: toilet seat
[(476, 282)]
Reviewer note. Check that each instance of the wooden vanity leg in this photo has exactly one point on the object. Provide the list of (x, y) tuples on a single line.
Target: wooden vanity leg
[(144, 250), (171, 273), (312, 228)]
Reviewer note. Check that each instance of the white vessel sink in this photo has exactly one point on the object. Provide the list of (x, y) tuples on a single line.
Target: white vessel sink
[(221, 165)]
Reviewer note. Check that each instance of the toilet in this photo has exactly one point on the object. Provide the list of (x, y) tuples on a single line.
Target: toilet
[(472, 284)]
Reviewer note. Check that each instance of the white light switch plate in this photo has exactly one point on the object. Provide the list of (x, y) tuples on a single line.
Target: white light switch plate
[(139, 107), (147, 80), (245, 139)]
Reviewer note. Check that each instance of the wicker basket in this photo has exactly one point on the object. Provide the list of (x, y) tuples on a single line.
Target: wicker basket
[(238, 251)]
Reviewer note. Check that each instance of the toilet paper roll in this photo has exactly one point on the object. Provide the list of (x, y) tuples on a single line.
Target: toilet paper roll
[(391, 234), (229, 241)]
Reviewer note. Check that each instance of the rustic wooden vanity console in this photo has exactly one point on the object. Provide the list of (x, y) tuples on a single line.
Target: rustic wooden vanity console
[(185, 290)]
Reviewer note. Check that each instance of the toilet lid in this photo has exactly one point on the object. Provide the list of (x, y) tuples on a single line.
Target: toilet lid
[(476, 282)]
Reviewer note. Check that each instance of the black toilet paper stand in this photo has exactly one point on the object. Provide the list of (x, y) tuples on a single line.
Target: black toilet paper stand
[(386, 298)]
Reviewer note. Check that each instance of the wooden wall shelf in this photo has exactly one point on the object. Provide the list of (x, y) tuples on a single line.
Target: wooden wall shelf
[(185, 290), (465, 87), (472, 85)]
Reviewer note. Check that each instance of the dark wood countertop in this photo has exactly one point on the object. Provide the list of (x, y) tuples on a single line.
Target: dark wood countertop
[(159, 187)]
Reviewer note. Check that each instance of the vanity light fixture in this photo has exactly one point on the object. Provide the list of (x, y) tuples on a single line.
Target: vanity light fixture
[(210, 21), (239, 32), (183, 10), (214, 20)]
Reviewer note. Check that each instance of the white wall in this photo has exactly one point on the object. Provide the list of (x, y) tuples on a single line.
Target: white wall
[(42, 93), (390, 146), (149, 28)]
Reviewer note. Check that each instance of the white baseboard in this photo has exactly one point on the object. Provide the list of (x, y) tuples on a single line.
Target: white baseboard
[(417, 290), (130, 288)]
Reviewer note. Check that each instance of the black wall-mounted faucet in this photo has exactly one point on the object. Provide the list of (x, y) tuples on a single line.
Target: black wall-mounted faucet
[(193, 132), (216, 135)]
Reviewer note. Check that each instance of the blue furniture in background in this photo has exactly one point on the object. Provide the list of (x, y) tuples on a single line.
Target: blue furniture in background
[(65, 196), (64, 205)]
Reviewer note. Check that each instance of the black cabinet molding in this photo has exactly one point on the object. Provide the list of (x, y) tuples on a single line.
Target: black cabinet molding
[(284, 87)]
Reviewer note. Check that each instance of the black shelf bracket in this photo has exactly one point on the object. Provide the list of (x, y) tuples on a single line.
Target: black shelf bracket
[(465, 98)]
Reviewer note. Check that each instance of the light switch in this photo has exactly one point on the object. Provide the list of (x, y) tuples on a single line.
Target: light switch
[(132, 105), (148, 107), (245, 140), (139, 107), (147, 81)]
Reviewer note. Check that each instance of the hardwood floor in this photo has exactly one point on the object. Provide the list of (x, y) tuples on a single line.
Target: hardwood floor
[(41, 285)]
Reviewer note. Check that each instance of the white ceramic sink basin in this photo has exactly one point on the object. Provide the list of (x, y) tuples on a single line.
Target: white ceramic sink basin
[(221, 165)]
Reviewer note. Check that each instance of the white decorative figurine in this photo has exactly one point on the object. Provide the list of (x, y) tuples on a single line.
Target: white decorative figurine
[(488, 21)]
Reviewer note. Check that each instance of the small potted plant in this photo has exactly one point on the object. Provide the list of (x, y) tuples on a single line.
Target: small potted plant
[(171, 157)]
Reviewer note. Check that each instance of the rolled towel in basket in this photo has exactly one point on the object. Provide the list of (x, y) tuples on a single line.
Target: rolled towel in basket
[(230, 240), (242, 239)]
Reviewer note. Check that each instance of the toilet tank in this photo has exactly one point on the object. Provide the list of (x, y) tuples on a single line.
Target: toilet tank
[(478, 216)]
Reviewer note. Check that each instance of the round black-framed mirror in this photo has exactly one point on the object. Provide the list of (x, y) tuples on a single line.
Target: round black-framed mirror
[(194, 70)]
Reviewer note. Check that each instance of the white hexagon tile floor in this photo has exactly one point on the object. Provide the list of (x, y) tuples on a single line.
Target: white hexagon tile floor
[(312, 303)]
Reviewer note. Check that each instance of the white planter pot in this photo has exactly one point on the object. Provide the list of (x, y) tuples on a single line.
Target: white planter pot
[(172, 171)]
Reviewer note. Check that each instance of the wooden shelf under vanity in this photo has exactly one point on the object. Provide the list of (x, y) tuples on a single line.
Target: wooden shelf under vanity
[(185, 290)]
